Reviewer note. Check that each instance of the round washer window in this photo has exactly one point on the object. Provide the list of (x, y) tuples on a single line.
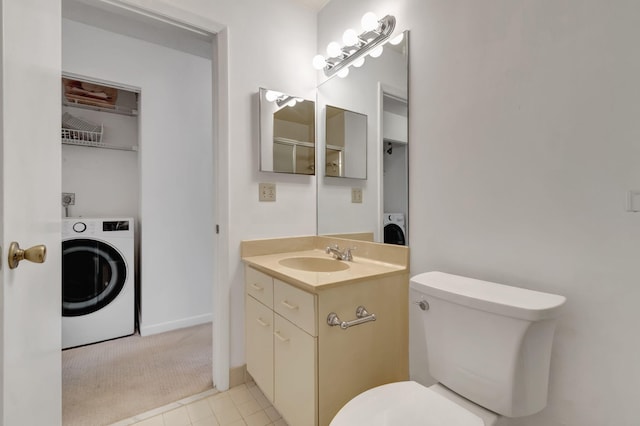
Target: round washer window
[(93, 274), (393, 234)]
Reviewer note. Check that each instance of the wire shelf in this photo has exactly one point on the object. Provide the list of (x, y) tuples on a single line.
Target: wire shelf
[(82, 137)]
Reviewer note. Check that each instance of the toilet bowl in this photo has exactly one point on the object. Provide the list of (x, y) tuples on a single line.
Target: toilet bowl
[(411, 404), (487, 345)]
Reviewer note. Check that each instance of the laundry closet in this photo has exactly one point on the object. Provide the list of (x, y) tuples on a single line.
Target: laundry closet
[(99, 239), (136, 135)]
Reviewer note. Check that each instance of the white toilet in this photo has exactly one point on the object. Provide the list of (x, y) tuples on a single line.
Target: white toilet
[(488, 345)]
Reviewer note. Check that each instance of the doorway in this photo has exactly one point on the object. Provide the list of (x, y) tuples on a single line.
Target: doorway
[(176, 183), (395, 166)]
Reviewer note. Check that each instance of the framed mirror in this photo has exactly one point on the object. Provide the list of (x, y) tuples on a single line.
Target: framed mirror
[(345, 143), (377, 90), (287, 133)]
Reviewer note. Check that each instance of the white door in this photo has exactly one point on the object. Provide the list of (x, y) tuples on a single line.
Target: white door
[(30, 212)]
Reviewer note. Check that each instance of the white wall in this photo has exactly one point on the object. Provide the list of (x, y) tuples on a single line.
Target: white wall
[(524, 139), (271, 45), (395, 178), (176, 189), (106, 182)]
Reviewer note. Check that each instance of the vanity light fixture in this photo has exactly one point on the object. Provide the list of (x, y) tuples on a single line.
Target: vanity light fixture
[(356, 46), (281, 99)]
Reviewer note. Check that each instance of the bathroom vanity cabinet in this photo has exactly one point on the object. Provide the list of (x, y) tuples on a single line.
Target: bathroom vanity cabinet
[(309, 369), (281, 344)]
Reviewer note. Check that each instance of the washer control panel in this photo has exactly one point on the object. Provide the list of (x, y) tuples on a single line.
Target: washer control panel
[(97, 227)]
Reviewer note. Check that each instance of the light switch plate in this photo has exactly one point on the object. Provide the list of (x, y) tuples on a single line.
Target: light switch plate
[(356, 195), (267, 192)]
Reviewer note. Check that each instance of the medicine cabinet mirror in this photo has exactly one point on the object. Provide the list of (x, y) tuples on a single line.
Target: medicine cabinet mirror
[(345, 143), (287, 133)]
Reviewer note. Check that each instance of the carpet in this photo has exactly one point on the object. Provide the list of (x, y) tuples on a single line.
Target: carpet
[(114, 380)]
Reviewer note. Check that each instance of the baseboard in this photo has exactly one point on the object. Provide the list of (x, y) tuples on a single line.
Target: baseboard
[(148, 330), (238, 376)]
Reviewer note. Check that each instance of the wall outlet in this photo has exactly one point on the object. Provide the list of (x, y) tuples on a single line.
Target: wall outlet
[(356, 195), (68, 199), (267, 192)]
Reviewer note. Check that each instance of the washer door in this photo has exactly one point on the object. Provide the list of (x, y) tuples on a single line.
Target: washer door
[(393, 234), (93, 274)]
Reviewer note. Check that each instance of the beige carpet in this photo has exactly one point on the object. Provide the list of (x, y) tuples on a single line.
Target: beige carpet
[(114, 380)]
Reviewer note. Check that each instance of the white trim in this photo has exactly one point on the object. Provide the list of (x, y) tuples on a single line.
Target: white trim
[(398, 94), (163, 12), (221, 291), (100, 81), (175, 325)]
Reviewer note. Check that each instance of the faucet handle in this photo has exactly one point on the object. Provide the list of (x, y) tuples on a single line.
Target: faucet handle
[(347, 253)]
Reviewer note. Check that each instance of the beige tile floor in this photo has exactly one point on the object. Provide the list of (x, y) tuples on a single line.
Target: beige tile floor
[(244, 405)]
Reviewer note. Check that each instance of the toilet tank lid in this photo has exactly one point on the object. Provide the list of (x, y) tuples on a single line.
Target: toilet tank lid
[(488, 296)]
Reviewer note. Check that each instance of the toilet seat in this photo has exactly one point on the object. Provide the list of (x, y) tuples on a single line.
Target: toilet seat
[(405, 404)]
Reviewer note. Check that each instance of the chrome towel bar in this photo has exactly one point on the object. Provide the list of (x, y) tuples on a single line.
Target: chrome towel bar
[(361, 314)]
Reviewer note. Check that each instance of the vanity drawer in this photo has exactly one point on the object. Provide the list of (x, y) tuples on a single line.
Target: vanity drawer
[(296, 305), (259, 286)]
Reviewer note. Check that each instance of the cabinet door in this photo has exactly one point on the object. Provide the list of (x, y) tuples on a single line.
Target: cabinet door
[(295, 373), (259, 344)]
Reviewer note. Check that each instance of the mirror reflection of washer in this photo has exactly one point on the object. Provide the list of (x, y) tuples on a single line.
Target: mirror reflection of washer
[(394, 229), (98, 291)]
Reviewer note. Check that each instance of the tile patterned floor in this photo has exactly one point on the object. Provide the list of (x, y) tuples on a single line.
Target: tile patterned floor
[(244, 405)]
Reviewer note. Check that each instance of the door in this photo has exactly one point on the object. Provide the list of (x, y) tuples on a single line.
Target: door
[(30, 211)]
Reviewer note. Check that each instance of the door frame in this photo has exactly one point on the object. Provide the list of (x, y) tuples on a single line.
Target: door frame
[(386, 90), (165, 13)]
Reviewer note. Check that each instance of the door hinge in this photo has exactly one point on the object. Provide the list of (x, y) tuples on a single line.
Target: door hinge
[(217, 229)]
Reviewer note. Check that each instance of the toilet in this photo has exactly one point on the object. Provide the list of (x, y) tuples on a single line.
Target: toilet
[(487, 346)]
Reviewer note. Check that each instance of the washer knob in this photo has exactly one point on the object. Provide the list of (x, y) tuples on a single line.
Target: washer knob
[(79, 227)]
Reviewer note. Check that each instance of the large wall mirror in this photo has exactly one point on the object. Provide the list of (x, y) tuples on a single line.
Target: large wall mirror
[(287, 133), (377, 91)]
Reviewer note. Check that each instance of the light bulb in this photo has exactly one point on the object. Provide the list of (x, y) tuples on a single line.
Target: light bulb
[(333, 49), (350, 38), (319, 62), (358, 62), (376, 52), (292, 103), (343, 72), (272, 95), (369, 21), (397, 39)]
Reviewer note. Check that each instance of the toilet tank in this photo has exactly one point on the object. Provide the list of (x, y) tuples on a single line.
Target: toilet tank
[(488, 342)]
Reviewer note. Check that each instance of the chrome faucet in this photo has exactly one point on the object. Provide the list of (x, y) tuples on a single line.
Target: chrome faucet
[(339, 254)]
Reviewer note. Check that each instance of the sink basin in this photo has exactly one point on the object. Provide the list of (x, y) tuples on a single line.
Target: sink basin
[(314, 264)]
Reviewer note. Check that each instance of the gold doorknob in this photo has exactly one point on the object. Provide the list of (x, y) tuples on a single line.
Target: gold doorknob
[(36, 254)]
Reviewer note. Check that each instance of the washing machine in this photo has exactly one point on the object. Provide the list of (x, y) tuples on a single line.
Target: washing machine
[(98, 289), (394, 229)]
